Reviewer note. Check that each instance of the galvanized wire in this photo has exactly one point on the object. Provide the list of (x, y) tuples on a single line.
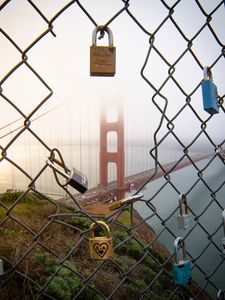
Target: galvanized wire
[(13, 269)]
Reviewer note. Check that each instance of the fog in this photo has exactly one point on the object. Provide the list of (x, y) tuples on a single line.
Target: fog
[(71, 114)]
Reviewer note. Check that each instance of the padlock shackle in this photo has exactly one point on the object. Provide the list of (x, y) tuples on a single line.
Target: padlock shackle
[(177, 245), (51, 165), (132, 198), (221, 153), (1, 267), (100, 28), (207, 73), (101, 223), (220, 295), (223, 220), (183, 201)]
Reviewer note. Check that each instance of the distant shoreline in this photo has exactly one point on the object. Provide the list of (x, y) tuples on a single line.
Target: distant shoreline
[(133, 182), (167, 168)]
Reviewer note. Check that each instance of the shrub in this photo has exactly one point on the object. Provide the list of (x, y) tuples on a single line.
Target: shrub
[(134, 249), (11, 196), (125, 262), (128, 292), (82, 223), (64, 285)]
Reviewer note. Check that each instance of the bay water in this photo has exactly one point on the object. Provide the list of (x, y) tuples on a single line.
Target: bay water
[(206, 199)]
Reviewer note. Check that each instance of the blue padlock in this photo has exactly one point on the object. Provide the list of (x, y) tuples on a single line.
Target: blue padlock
[(209, 93), (181, 268)]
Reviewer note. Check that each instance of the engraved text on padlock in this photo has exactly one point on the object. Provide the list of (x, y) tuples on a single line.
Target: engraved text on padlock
[(102, 58)]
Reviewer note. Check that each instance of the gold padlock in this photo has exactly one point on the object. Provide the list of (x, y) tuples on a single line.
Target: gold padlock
[(101, 247), (102, 58)]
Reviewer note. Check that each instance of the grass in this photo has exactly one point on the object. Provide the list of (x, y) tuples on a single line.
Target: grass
[(58, 256)]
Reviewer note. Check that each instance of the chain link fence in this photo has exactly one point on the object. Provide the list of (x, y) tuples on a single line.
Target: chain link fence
[(44, 244)]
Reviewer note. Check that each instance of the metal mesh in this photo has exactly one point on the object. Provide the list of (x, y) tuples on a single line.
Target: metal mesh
[(57, 246)]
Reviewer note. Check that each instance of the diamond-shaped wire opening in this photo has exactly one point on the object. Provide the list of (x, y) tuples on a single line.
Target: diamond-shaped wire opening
[(215, 24), (167, 50), (141, 10), (169, 187), (48, 9), (206, 40), (13, 57), (186, 13), (27, 25), (15, 88), (151, 69)]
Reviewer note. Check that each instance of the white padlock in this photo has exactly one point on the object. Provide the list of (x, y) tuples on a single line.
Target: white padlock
[(223, 238), (1, 269), (184, 219)]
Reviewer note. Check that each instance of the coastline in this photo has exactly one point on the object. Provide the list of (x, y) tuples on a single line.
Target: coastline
[(142, 230), (104, 194), (147, 233)]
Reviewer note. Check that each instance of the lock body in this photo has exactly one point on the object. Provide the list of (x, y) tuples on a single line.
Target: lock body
[(73, 177), (210, 97), (101, 247), (78, 181), (184, 221), (223, 245), (181, 268), (223, 238), (220, 295), (1, 270), (182, 272), (221, 153), (102, 60)]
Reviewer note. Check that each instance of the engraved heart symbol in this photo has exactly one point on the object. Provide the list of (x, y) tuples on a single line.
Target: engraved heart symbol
[(101, 249)]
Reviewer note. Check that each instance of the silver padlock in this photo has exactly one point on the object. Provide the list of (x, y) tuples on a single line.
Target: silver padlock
[(223, 238), (221, 153), (74, 177), (221, 295), (184, 219), (125, 201), (1, 270)]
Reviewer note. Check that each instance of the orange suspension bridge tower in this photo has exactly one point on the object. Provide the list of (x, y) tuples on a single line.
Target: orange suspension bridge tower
[(118, 156)]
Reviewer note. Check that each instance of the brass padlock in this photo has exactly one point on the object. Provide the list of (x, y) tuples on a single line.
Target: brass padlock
[(102, 58), (101, 247)]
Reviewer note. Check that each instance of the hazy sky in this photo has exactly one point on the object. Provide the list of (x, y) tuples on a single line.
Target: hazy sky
[(63, 62)]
